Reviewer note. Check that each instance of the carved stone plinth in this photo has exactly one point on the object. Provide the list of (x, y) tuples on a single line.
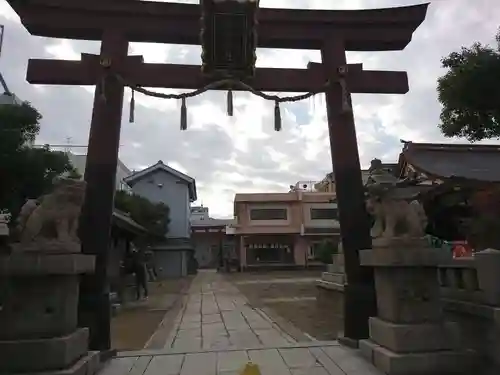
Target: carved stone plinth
[(409, 336), (38, 314), (334, 278)]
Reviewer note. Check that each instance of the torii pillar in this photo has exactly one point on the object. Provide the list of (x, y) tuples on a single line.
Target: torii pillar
[(100, 175), (359, 293)]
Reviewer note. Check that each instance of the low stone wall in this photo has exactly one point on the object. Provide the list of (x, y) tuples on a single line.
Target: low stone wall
[(470, 293)]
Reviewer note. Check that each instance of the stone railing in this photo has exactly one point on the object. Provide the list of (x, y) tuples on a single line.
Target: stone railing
[(472, 280), (470, 294), (458, 280)]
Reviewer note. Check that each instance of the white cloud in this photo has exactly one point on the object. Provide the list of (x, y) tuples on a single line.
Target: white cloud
[(243, 153)]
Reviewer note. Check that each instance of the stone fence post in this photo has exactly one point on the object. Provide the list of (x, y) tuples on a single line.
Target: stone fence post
[(38, 314), (488, 275), (409, 336)]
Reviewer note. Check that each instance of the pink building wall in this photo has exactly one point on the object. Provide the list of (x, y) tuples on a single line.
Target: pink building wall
[(298, 205)]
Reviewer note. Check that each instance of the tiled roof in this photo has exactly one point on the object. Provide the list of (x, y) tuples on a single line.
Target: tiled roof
[(463, 161)]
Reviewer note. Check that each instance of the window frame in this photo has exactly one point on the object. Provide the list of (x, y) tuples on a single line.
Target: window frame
[(282, 209), (316, 209)]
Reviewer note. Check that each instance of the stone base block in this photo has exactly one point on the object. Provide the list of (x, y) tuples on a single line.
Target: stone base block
[(87, 365), (429, 363), (336, 267), (334, 277), (39, 308), (43, 354), (404, 253), (329, 285), (347, 341), (40, 264), (414, 338)]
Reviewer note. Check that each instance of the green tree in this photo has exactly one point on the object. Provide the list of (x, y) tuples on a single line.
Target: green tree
[(326, 249), (470, 93), (25, 172), (153, 217)]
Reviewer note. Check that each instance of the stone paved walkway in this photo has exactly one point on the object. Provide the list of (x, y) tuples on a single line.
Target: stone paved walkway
[(217, 316), (218, 332)]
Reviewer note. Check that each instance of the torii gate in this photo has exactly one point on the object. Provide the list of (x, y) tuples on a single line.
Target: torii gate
[(116, 23)]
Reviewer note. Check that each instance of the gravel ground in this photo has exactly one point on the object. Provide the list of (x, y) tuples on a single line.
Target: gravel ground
[(310, 310)]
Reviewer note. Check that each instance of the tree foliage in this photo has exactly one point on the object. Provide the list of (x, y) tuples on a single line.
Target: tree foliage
[(25, 172), (326, 249), (153, 217), (470, 93)]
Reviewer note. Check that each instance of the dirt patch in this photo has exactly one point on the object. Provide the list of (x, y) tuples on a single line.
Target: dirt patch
[(305, 308), (136, 322)]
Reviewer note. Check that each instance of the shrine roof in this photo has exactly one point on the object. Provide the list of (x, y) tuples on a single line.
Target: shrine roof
[(124, 221), (175, 23), (160, 166), (478, 163)]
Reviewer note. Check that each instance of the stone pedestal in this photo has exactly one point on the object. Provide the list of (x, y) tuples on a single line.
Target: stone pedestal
[(488, 266), (38, 314), (334, 278), (409, 336)]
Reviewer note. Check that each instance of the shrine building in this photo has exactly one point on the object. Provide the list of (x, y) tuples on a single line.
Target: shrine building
[(461, 189), (283, 230)]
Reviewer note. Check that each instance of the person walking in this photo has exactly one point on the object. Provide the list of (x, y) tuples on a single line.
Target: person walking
[(139, 269), (150, 266)]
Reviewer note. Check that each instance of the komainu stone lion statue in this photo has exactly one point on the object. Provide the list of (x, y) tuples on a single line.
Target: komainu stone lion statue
[(53, 217), (396, 217), (392, 202)]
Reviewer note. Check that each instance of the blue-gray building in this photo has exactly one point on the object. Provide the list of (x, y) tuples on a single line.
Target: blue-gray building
[(163, 184)]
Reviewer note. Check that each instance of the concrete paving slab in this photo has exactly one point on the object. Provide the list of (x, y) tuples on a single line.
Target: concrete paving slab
[(219, 332)]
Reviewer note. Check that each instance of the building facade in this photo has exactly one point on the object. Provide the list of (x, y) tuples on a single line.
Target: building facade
[(163, 184), (199, 213), (284, 228), (212, 243)]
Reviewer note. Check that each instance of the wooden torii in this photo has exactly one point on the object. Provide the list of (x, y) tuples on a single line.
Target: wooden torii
[(116, 23)]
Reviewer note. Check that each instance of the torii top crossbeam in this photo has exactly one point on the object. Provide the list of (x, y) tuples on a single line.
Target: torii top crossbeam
[(155, 22)]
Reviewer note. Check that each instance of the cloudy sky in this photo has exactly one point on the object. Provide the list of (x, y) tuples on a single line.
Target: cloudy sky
[(244, 153)]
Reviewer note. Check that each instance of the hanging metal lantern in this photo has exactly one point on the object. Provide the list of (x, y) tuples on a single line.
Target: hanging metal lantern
[(229, 38)]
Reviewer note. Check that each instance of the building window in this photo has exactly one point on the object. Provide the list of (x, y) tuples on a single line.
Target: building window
[(324, 214), (268, 214)]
